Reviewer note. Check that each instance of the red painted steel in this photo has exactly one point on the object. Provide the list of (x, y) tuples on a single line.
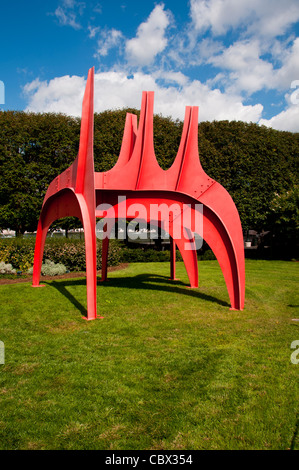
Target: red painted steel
[(137, 177)]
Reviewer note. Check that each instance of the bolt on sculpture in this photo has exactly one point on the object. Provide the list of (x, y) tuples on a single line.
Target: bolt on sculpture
[(137, 176)]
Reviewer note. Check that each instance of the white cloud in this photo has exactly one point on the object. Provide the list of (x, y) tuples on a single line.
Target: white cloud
[(116, 90), (66, 18), (150, 39), (287, 120), (289, 70), (67, 13), (62, 94), (268, 18), (206, 48), (172, 77), (259, 59), (109, 39), (93, 30), (247, 71), (243, 69)]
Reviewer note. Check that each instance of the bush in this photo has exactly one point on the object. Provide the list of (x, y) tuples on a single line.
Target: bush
[(49, 268), (17, 252), (71, 253), (68, 252), (207, 255), (141, 255)]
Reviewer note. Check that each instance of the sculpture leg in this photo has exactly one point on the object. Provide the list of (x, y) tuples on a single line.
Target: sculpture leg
[(38, 252), (66, 204), (108, 228), (230, 260), (223, 232), (227, 246), (186, 245), (91, 258)]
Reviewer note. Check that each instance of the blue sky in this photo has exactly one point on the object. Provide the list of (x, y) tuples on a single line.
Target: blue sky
[(235, 59)]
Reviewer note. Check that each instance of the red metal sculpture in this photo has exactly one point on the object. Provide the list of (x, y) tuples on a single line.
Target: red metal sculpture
[(81, 192)]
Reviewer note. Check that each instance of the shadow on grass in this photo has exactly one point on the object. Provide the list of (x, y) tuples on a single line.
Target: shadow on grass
[(61, 287), (141, 281)]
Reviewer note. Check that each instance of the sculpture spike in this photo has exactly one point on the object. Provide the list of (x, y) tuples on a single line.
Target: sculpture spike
[(85, 169), (128, 142)]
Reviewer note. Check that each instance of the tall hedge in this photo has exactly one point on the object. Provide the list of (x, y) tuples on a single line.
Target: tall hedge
[(254, 163)]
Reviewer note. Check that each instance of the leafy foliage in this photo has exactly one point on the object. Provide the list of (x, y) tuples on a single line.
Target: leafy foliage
[(34, 148), (284, 220), (252, 162), (71, 253), (18, 252)]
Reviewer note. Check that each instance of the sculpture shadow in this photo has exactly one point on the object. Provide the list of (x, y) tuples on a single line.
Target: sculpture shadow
[(146, 281), (61, 286)]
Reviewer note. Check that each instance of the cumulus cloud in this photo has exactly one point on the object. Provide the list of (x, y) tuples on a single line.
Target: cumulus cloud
[(247, 71), (66, 18), (67, 13), (268, 18), (287, 120), (57, 95), (263, 56), (244, 69), (117, 90), (108, 40), (150, 39), (289, 69)]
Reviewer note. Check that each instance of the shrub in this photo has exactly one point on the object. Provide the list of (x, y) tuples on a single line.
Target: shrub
[(17, 252), (207, 255), (6, 268), (68, 252), (49, 268), (71, 253), (140, 255)]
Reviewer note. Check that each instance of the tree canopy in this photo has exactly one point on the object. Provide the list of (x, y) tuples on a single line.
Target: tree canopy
[(254, 163)]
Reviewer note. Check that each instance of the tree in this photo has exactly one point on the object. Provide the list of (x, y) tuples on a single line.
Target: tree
[(284, 220), (34, 149), (252, 162)]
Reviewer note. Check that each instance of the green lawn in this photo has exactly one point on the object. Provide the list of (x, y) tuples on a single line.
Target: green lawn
[(167, 368)]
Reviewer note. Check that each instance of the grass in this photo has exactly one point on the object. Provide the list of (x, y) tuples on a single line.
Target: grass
[(167, 368)]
